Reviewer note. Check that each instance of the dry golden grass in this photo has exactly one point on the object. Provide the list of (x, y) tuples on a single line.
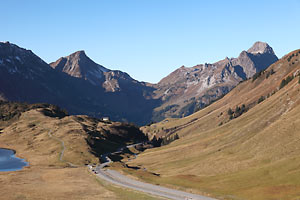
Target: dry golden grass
[(47, 177), (52, 183), (255, 156)]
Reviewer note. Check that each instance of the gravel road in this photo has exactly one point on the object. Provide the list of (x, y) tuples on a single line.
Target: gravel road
[(115, 177)]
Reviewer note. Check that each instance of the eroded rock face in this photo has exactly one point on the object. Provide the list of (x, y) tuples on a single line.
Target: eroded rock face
[(192, 88)]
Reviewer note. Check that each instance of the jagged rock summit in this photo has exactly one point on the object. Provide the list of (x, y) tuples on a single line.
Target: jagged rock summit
[(260, 47), (79, 65)]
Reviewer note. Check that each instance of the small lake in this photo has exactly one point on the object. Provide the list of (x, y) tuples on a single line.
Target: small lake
[(9, 162)]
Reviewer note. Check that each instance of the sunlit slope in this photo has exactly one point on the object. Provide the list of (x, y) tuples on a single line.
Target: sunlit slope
[(57, 150), (254, 156)]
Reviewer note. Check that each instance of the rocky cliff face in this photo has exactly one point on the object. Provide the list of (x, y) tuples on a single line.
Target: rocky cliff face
[(188, 89)]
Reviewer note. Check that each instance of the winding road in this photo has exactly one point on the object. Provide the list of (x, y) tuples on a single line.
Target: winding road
[(115, 177), (63, 149)]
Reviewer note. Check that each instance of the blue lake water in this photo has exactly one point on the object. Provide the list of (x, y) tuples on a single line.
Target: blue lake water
[(9, 162)]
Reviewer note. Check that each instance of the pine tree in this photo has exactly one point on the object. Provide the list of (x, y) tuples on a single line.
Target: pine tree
[(230, 112)]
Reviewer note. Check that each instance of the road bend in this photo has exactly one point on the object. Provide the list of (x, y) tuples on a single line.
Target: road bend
[(115, 177)]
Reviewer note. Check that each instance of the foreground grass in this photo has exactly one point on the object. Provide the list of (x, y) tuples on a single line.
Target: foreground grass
[(280, 180)]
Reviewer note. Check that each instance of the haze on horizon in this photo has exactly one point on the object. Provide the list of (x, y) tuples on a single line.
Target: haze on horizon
[(149, 39)]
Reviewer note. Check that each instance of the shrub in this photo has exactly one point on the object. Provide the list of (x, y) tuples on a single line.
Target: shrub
[(257, 75), (230, 112), (261, 99), (269, 73), (237, 112)]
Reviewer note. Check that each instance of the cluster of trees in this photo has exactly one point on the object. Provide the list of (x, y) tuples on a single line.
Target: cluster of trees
[(291, 56), (237, 112), (269, 73), (168, 140), (284, 82), (258, 74), (157, 142)]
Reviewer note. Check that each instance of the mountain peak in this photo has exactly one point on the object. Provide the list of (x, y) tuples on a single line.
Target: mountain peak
[(80, 53), (260, 47), (79, 65)]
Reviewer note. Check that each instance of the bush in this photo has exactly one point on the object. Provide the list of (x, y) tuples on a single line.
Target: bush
[(290, 57), (261, 99), (269, 73), (237, 112), (230, 112), (257, 75)]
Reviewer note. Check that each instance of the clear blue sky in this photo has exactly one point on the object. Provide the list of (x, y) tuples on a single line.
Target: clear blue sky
[(149, 38)]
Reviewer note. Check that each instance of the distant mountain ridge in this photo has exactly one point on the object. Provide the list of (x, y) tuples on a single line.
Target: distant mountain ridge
[(80, 85), (75, 83), (188, 89)]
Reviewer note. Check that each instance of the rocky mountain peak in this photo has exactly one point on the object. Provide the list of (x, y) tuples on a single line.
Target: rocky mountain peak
[(79, 65), (260, 47), (19, 60), (79, 54)]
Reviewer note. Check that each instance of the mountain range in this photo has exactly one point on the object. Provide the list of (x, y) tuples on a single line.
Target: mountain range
[(187, 90), (239, 145), (81, 86)]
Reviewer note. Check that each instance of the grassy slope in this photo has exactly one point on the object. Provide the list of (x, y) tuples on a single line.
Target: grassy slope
[(47, 177), (255, 156)]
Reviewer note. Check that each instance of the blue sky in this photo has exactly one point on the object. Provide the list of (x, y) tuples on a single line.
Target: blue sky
[(149, 38)]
